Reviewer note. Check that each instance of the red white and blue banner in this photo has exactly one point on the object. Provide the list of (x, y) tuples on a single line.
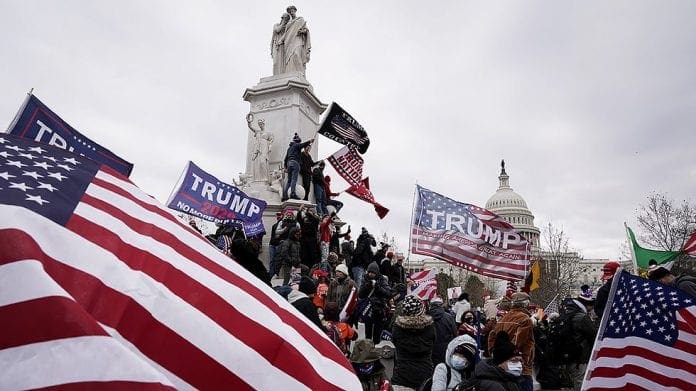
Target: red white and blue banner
[(349, 164), (423, 284), (37, 122), (200, 194), (467, 236)]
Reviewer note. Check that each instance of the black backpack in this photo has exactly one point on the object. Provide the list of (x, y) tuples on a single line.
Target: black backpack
[(563, 346)]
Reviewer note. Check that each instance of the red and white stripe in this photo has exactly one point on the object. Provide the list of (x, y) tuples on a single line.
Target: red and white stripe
[(690, 246), (427, 284), (178, 305), (510, 264), (635, 363), (349, 307)]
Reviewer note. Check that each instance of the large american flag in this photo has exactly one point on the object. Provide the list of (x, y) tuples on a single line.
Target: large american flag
[(456, 232), (102, 287), (647, 340)]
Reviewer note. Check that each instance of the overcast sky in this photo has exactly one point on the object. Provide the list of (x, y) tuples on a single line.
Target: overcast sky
[(591, 104)]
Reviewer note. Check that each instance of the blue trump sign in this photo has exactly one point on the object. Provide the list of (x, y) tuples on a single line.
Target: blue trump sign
[(202, 195), (37, 122)]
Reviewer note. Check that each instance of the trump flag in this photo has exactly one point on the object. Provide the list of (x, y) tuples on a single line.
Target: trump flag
[(37, 122), (467, 236), (102, 287)]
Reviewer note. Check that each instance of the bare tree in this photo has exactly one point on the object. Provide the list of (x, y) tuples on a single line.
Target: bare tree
[(560, 266), (666, 225)]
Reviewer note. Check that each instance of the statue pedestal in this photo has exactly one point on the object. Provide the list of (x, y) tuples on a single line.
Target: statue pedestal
[(288, 105)]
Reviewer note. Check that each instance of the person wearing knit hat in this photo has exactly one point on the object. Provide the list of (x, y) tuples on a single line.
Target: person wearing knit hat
[(445, 329), (661, 274), (376, 289), (341, 286), (413, 336), (503, 370), (518, 323), (461, 357), (292, 165)]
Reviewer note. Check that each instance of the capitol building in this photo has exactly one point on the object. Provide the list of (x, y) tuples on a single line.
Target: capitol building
[(509, 205)]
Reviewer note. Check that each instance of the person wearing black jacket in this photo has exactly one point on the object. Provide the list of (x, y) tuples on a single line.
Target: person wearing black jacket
[(309, 247), (362, 256), (273, 243), (413, 336), (246, 254), (288, 254), (301, 299), (306, 163), (375, 288), (608, 271), (445, 327)]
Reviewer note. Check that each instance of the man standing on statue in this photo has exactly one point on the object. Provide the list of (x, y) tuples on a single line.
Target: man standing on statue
[(297, 44), (292, 166)]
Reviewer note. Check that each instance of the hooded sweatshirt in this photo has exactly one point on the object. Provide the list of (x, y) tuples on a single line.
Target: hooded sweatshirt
[(493, 378), (440, 374), (303, 304)]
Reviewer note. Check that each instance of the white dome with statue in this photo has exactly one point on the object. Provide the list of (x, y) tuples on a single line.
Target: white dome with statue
[(513, 208)]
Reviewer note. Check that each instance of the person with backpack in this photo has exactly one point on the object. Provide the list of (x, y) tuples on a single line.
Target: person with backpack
[(570, 341), (413, 336), (460, 361), (375, 289), (501, 372)]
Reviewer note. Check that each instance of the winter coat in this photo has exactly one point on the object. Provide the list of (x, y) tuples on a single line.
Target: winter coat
[(518, 324), (339, 291), (397, 274), (602, 298), (584, 331), (445, 329), (413, 338), (493, 378), (347, 250), (294, 151), (303, 304), (686, 284), (456, 377), (363, 250), (379, 297), (288, 252), (306, 164)]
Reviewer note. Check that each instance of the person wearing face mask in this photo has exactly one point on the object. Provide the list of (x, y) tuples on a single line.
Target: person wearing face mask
[(461, 360), (503, 371)]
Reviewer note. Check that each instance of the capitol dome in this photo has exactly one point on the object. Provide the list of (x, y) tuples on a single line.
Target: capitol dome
[(513, 208)]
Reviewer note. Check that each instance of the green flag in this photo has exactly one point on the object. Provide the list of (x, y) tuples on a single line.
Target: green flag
[(643, 255)]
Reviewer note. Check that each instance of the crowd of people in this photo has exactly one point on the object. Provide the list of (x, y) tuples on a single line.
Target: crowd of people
[(436, 344)]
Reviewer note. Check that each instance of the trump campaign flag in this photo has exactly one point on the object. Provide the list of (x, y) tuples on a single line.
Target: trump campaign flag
[(647, 339), (341, 127), (37, 122), (203, 195), (467, 236), (102, 287), (362, 191), (423, 284)]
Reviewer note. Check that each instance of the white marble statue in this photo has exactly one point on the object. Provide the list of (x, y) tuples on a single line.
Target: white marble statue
[(263, 141), (277, 45), (296, 43)]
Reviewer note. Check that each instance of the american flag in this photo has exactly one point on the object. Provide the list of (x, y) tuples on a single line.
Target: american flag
[(102, 287), (467, 236), (424, 284), (647, 340)]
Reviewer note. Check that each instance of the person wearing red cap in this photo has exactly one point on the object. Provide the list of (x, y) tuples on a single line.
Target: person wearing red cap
[(608, 271)]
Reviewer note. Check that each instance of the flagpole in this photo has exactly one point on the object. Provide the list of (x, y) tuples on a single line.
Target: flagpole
[(20, 111), (633, 251), (410, 228)]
